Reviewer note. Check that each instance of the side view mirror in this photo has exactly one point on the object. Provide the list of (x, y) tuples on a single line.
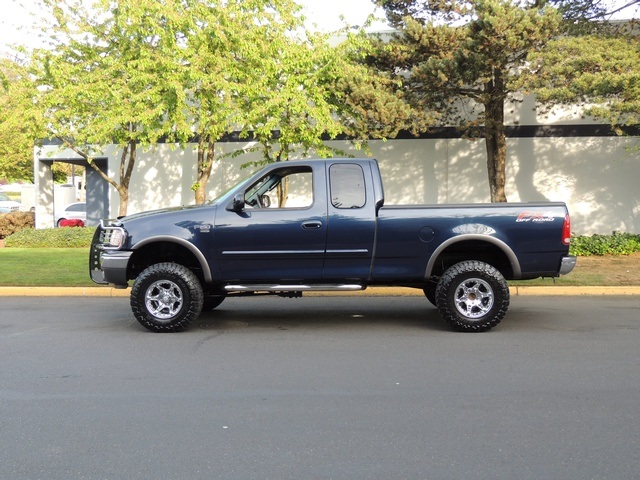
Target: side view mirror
[(237, 205)]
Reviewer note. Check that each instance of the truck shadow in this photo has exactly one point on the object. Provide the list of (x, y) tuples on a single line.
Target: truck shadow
[(314, 313)]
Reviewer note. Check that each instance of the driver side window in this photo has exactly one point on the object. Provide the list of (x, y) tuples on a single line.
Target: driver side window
[(290, 187)]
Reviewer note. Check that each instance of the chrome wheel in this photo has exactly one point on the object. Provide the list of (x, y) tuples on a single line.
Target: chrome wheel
[(474, 298), (164, 299)]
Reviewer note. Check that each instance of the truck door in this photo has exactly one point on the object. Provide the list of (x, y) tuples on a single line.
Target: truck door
[(280, 234), (352, 222)]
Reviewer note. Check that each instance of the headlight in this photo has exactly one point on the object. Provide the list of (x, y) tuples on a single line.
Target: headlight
[(112, 238)]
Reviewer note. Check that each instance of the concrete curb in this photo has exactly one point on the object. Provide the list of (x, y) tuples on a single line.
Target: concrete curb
[(372, 291), (556, 291), (62, 292)]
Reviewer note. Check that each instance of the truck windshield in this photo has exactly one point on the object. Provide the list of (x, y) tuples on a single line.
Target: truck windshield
[(226, 194)]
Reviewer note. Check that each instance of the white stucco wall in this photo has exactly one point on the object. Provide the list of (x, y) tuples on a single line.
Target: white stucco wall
[(596, 176)]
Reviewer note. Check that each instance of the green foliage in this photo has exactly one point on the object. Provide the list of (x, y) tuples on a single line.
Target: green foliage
[(111, 75), (459, 60), (65, 237), (368, 101), (600, 72), (18, 122), (615, 244), (230, 48), (13, 222), (288, 104)]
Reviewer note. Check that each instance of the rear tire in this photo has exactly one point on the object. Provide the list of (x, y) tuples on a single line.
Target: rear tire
[(472, 296), (166, 297)]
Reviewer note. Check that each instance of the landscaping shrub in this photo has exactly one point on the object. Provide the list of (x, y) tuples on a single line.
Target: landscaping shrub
[(615, 244), (13, 222), (52, 238)]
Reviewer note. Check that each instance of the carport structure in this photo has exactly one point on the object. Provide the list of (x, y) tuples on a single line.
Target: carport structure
[(97, 195)]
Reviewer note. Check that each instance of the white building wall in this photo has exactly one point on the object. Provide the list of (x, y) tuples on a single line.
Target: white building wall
[(596, 176)]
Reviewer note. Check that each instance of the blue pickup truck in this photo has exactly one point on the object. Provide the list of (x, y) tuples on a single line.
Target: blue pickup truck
[(323, 225)]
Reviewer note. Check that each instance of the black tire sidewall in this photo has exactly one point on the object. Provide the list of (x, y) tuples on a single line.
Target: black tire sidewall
[(430, 292), (461, 272), (212, 301), (192, 297)]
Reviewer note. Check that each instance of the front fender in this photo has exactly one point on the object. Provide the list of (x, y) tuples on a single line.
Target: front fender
[(206, 269)]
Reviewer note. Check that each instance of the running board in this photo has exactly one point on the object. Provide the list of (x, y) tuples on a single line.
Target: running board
[(293, 288)]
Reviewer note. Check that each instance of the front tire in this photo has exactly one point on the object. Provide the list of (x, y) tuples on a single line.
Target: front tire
[(166, 297), (472, 296), (430, 292)]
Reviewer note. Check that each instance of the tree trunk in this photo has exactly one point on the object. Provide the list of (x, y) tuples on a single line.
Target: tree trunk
[(206, 155), (126, 169), (123, 194), (496, 142)]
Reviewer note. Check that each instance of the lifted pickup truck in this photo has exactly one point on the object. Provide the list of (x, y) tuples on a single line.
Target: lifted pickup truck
[(322, 225)]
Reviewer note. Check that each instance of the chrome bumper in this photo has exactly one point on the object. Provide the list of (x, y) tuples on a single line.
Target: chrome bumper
[(567, 264), (114, 266)]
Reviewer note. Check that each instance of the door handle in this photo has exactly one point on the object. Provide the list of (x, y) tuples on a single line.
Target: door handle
[(312, 224)]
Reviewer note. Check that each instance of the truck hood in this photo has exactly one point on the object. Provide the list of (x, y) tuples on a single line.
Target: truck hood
[(158, 212), (188, 223)]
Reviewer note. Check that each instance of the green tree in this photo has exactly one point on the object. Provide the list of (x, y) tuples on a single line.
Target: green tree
[(109, 77), (601, 73), (17, 126), (288, 105), (230, 48), (315, 89), (457, 56), (368, 102)]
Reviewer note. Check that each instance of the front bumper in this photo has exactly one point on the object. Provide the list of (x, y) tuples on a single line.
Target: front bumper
[(114, 267), (568, 263), (107, 266)]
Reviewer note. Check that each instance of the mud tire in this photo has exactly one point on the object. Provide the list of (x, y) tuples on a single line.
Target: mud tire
[(472, 296), (166, 297)]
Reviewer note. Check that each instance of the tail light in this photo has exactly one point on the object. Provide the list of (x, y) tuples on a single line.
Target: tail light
[(566, 230)]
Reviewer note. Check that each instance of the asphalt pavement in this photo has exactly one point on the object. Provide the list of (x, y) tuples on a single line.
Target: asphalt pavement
[(370, 387)]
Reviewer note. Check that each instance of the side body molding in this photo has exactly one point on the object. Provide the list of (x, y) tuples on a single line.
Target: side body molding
[(513, 259)]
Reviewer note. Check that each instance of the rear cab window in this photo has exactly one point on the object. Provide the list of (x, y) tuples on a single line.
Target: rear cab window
[(347, 185)]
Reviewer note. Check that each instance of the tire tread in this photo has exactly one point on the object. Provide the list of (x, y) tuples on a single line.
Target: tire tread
[(452, 277), (173, 271)]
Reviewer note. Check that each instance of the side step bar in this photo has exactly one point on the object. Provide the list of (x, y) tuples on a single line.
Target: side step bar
[(293, 288)]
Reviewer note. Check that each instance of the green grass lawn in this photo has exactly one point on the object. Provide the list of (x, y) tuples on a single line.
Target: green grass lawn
[(66, 267)]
